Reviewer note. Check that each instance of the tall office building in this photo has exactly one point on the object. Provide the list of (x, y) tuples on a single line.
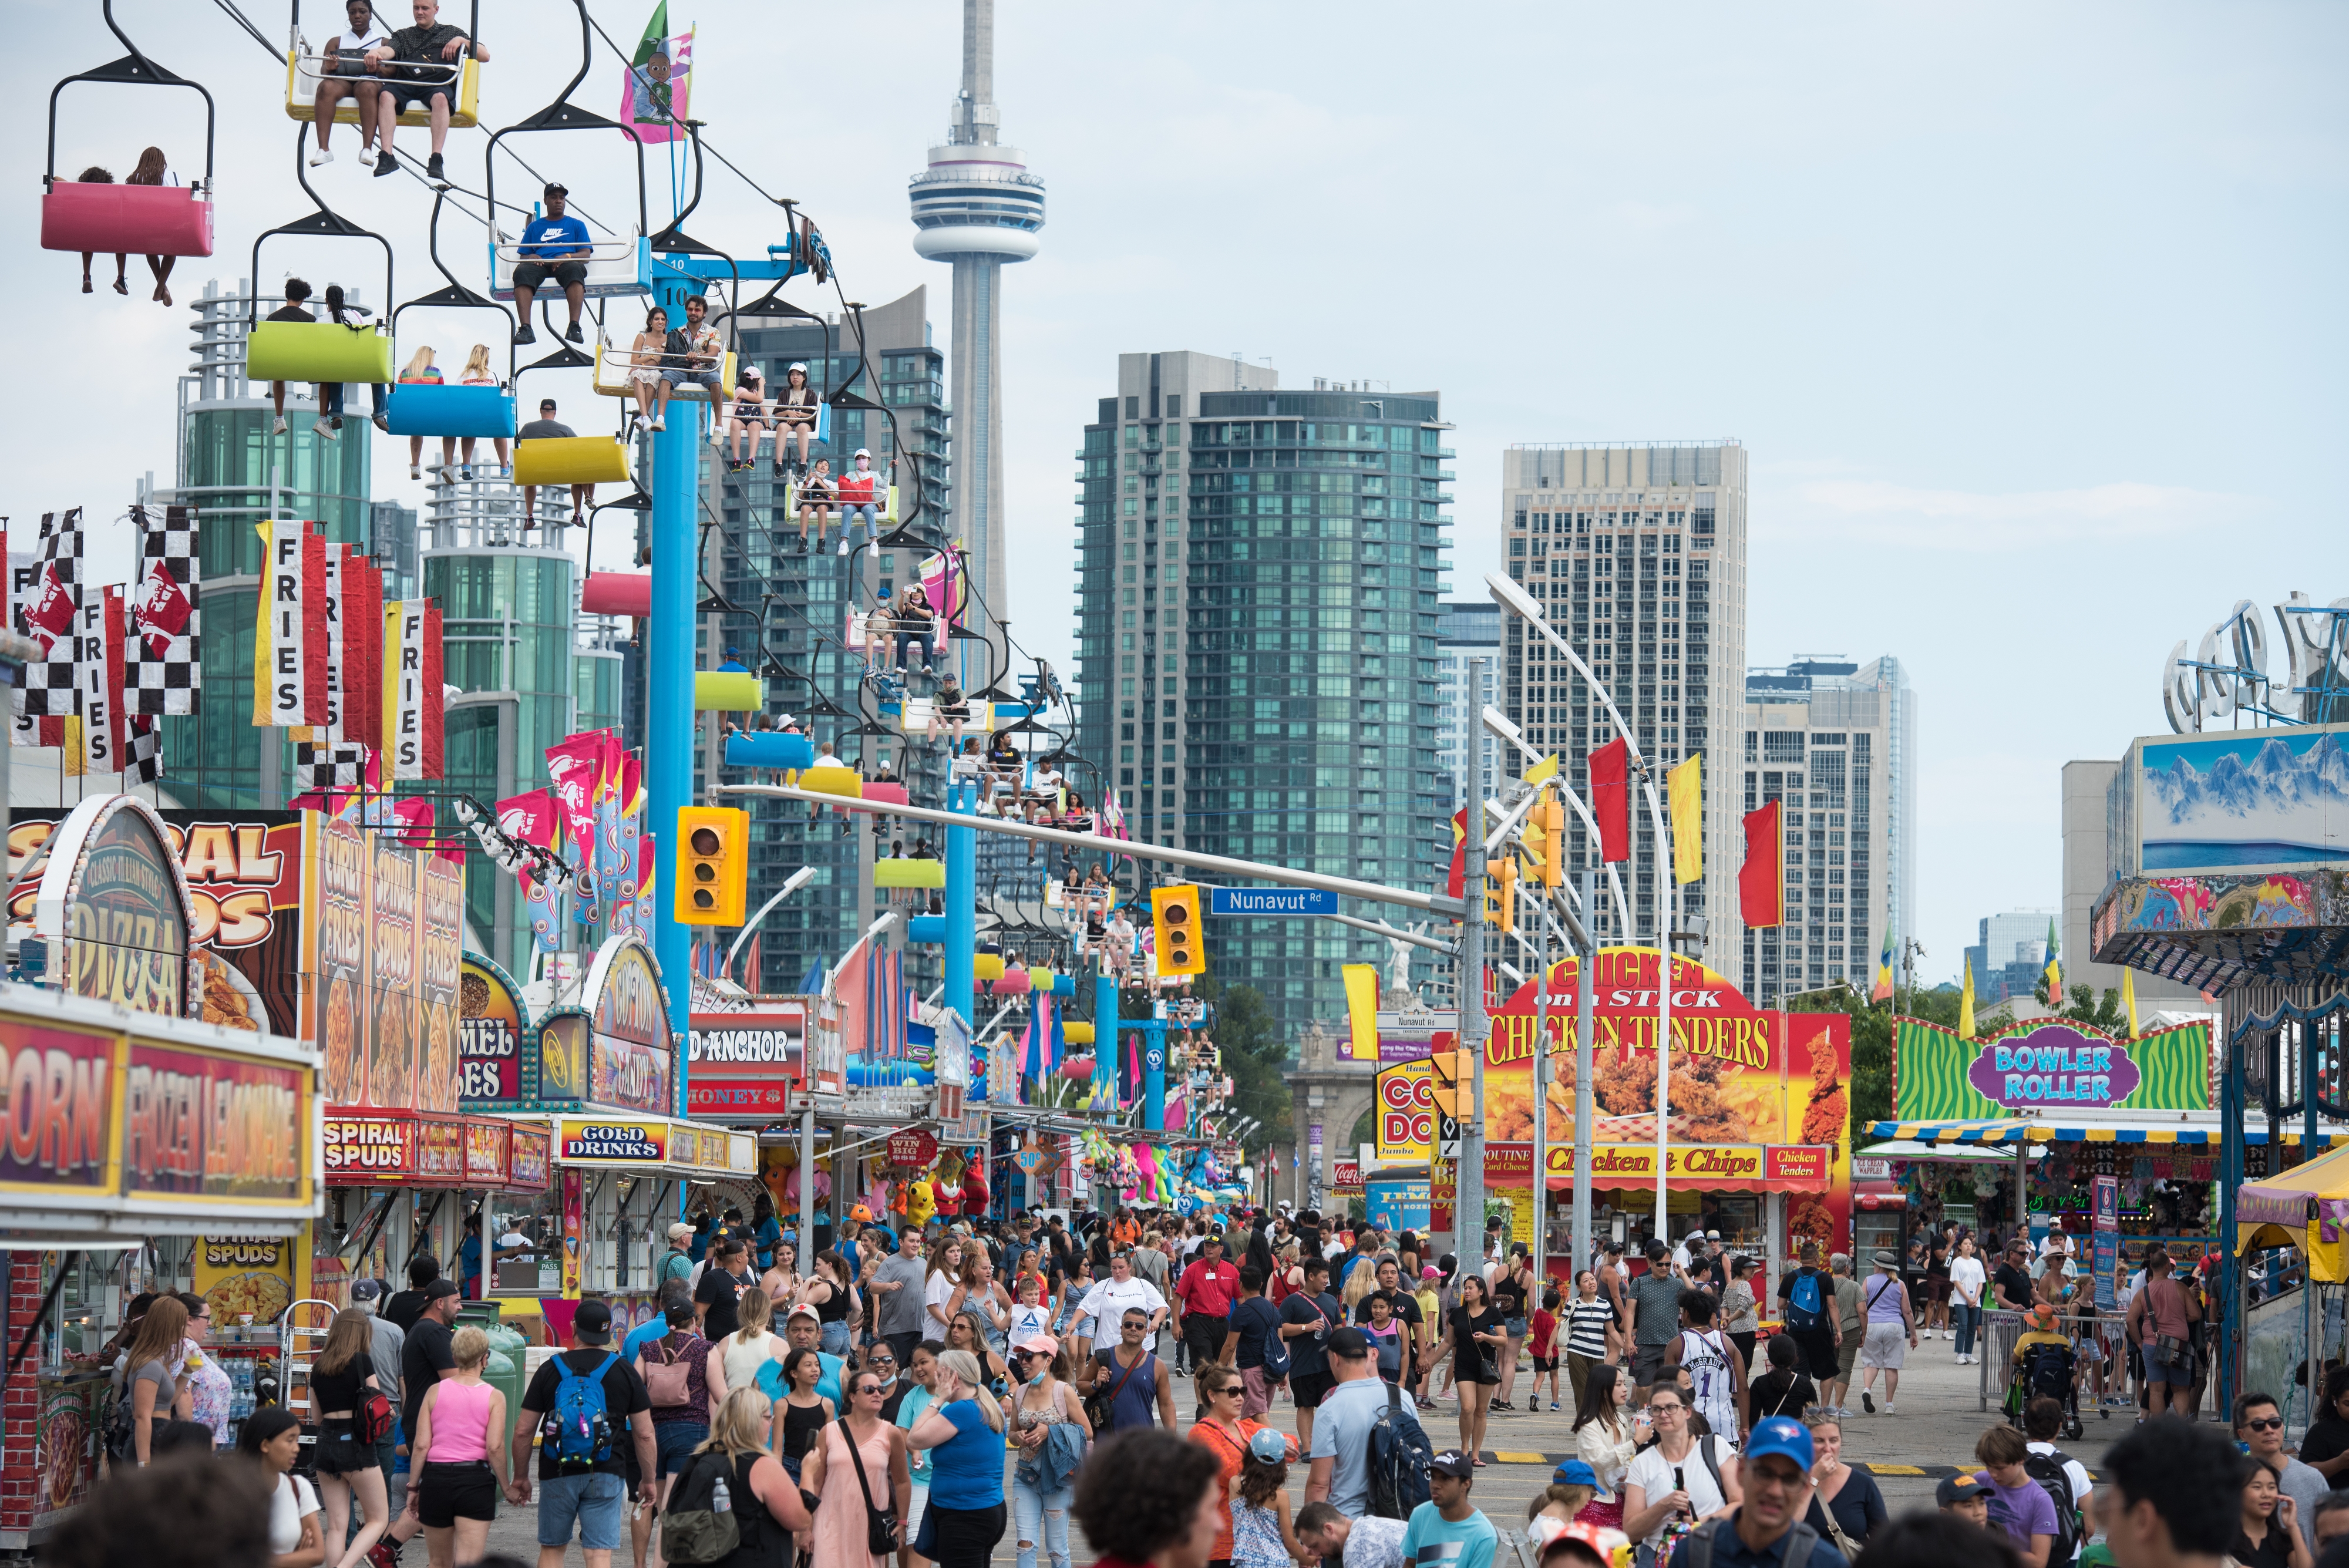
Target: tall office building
[(789, 610), (977, 207), (1637, 555), (1836, 743), (1257, 663), (2012, 955)]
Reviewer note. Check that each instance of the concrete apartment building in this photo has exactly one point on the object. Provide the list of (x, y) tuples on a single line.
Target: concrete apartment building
[(1637, 554)]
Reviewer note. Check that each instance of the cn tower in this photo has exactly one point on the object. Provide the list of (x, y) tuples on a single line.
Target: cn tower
[(977, 207)]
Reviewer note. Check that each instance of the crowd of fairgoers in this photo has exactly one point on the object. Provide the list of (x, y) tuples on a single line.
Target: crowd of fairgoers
[(864, 1409)]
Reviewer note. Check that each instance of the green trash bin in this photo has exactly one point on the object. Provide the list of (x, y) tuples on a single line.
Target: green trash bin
[(504, 1371)]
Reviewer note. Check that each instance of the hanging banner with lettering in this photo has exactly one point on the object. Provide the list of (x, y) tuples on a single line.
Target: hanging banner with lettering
[(289, 633), (1741, 1078), (411, 691), (97, 665), (384, 940)]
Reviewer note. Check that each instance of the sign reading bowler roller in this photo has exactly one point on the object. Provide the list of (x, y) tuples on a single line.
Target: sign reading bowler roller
[(744, 1065), (1271, 902)]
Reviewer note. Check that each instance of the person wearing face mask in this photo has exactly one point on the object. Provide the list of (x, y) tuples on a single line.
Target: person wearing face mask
[(1050, 1426)]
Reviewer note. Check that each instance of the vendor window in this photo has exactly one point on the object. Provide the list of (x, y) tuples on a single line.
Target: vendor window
[(524, 1234)]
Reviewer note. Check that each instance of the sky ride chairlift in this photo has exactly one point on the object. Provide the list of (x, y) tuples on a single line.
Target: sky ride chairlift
[(146, 220), (317, 350), (615, 269), (446, 409), (305, 70)]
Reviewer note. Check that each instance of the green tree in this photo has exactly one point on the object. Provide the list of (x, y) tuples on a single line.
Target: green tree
[(2104, 1012)]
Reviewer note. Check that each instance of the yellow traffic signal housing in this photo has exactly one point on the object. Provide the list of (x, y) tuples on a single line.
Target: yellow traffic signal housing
[(713, 865), (1551, 814), (1501, 902), (1443, 1082), (1174, 919)]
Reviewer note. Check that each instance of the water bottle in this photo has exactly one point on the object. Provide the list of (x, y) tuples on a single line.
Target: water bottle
[(720, 1500)]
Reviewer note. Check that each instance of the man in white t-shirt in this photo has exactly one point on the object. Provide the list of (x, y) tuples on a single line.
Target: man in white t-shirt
[(1107, 1302)]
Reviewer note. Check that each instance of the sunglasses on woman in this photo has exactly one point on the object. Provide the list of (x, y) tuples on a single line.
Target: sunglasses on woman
[(872, 1389)]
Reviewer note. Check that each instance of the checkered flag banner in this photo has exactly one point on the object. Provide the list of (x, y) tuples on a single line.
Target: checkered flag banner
[(163, 664), (144, 750), (49, 609), (325, 767)]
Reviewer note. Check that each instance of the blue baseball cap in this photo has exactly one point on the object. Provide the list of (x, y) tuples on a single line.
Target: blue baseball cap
[(1268, 1447), (1574, 1472), (1781, 1435)]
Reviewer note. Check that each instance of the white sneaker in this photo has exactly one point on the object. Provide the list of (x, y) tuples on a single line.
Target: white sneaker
[(324, 429), (367, 156), (320, 155), (277, 425), (843, 544), (1890, 1409)]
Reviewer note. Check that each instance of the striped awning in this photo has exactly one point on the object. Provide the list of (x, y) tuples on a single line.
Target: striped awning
[(2018, 1130)]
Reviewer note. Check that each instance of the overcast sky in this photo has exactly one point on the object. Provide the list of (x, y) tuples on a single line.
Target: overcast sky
[(2029, 316)]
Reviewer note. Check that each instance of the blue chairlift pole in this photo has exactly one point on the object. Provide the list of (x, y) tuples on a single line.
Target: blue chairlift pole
[(676, 574)]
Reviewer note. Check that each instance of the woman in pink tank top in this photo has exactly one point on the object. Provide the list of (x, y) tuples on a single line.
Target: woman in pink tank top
[(460, 1441)]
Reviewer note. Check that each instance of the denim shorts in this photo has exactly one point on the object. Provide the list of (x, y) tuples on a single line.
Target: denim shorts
[(2175, 1367), (596, 1501), (1515, 1327), (675, 1442)]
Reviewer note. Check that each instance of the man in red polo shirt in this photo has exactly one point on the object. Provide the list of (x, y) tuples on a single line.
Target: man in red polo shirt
[(1205, 1293)]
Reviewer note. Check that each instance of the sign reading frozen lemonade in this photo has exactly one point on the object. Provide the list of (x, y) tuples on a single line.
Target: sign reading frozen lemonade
[(1755, 1100)]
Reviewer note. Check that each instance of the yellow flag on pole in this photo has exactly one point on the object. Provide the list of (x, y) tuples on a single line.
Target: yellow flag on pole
[(1362, 1008), (1966, 1003), (1544, 769), (2128, 996), (1684, 791)]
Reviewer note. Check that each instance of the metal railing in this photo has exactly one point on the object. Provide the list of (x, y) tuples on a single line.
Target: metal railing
[(1994, 1350)]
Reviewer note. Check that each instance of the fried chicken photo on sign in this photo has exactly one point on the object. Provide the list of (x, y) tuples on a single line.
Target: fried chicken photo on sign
[(1698, 1106), (1626, 1082), (1830, 1108), (1811, 1222)]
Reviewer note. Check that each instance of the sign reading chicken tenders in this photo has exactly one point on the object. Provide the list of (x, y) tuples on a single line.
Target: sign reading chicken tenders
[(1757, 1100)]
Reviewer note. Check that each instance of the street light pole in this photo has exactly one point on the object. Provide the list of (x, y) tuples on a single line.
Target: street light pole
[(1468, 1181), (1585, 982)]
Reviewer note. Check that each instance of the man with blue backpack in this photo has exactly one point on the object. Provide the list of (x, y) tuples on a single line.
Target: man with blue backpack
[(588, 1409), (1810, 1314)]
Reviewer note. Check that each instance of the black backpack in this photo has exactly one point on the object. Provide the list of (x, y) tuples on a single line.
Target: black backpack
[(692, 1531), (1401, 1460), (2048, 1470)]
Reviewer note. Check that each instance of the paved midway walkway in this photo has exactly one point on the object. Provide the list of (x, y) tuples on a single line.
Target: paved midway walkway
[(1907, 1453)]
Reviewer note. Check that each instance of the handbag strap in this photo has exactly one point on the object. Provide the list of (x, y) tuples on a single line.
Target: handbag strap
[(858, 1460)]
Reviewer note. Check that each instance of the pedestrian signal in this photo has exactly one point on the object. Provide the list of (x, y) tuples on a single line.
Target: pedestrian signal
[(1174, 920), (713, 865)]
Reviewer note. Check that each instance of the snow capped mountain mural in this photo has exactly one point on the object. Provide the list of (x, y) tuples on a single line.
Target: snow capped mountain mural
[(2262, 798)]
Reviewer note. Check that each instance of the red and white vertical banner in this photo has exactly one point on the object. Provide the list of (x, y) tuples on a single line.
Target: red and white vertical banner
[(412, 690), (332, 564), (363, 641), (97, 659), (290, 652)]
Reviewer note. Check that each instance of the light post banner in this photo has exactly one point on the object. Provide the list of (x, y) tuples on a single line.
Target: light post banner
[(2105, 1216)]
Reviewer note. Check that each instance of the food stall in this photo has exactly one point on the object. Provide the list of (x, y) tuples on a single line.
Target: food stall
[(600, 1079), (1757, 1142), (142, 1131), (2138, 1110)]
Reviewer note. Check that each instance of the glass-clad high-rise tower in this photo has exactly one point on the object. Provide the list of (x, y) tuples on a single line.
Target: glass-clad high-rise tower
[(1258, 591)]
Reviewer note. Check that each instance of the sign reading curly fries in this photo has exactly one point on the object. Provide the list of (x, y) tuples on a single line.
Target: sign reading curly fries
[(1741, 1080), (383, 944)]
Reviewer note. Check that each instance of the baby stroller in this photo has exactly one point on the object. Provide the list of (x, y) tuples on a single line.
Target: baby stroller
[(2048, 1371)]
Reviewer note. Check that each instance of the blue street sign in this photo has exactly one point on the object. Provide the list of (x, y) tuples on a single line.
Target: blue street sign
[(1271, 902)]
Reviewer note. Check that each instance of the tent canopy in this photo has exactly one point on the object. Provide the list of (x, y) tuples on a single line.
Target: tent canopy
[(2200, 1129), (1955, 1153), (2307, 1208)]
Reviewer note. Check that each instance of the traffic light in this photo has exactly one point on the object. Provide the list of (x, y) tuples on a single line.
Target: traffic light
[(1501, 902), (713, 865), (1444, 1084), (1174, 917), (1551, 814)]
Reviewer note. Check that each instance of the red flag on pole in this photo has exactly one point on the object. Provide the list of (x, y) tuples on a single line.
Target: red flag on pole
[(1611, 798), (1459, 854), (1761, 881)]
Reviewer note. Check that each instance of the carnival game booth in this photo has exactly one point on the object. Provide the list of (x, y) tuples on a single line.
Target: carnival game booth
[(2138, 1110), (1757, 1113)]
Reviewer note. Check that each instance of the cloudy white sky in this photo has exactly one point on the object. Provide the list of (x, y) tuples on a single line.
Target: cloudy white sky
[(2030, 318)]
